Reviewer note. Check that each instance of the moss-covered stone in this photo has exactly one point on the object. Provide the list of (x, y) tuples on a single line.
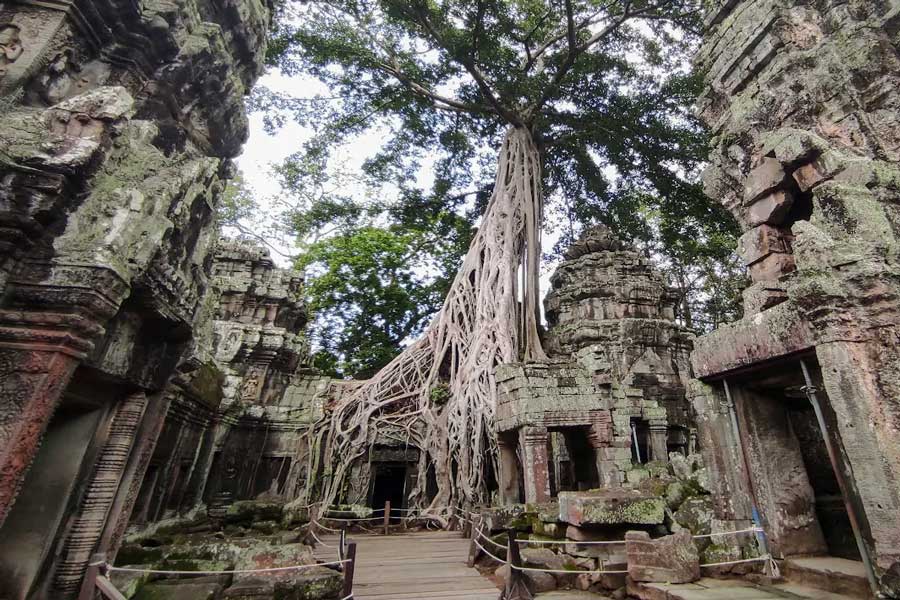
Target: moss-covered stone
[(611, 507), (135, 554), (251, 511), (181, 590), (696, 514)]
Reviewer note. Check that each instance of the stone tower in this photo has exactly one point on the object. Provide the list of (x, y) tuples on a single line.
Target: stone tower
[(612, 398)]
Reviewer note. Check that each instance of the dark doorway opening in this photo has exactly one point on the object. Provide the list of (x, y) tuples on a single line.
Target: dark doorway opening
[(829, 502), (582, 465), (389, 485), (50, 492), (271, 476), (795, 470), (142, 505)]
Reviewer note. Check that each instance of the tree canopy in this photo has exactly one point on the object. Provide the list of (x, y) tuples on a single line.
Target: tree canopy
[(605, 87)]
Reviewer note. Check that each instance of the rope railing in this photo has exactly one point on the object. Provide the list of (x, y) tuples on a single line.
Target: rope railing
[(515, 563), (621, 542), (480, 535), (113, 569), (96, 578)]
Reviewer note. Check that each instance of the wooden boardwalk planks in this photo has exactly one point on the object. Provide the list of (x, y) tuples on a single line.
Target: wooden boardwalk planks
[(414, 566)]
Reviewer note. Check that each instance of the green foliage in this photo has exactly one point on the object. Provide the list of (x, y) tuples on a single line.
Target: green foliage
[(371, 290), (439, 394)]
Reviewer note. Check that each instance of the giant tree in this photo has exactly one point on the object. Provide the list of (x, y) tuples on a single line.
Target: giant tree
[(578, 95)]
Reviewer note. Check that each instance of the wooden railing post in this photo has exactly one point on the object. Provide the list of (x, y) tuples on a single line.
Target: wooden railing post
[(342, 549), (464, 520), (474, 550), (516, 584), (387, 517), (349, 569), (89, 583)]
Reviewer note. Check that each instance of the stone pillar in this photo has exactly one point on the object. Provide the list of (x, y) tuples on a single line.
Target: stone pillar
[(721, 453), (600, 437), (535, 463), (509, 470), (783, 493), (862, 389), (31, 382), (659, 442), (133, 478), (51, 315)]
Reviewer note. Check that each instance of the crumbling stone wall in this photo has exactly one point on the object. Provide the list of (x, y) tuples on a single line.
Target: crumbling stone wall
[(801, 100), (117, 120), (236, 428)]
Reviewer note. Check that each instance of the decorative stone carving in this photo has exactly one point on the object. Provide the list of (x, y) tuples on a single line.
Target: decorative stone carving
[(107, 195), (10, 47)]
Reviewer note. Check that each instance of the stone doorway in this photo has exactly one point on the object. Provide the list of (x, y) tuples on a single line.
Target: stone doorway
[(574, 462), (801, 503), (830, 507), (389, 485), (271, 476)]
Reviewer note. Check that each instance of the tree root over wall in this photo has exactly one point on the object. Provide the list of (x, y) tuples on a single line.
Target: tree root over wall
[(439, 395)]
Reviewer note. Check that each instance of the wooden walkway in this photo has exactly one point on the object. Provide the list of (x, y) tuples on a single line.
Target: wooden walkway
[(414, 566)]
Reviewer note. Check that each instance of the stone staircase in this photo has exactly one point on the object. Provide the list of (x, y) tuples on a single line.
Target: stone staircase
[(830, 574)]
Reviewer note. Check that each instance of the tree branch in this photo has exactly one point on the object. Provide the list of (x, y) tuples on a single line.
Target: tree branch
[(443, 102), (587, 22), (473, 70), (578, 50), (478, 27), (570, 26)]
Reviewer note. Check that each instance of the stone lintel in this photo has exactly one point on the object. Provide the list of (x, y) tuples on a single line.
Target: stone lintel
[(774, 333)]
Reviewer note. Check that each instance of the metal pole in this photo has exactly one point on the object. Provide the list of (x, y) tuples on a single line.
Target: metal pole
[(839, 475), (634, 440), (748, 478)]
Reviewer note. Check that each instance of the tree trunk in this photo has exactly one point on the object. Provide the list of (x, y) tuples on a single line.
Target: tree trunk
[(482, 324)]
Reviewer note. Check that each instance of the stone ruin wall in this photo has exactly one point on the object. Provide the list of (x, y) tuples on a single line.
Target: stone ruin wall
[(155, 374), (117, 123), (802, 101), (236, 426)]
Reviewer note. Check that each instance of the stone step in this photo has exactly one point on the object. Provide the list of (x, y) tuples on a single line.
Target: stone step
[(729, 589), (829, 573)]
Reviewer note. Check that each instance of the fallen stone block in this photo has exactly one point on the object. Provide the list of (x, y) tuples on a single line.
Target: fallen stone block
[(611, 507), (179, 590), (669, 559), (315, 583), (252, 511)]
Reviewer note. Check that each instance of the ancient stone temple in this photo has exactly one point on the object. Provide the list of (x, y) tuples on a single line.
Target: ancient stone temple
[(612, 399), (797, 402), (117, 120)]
